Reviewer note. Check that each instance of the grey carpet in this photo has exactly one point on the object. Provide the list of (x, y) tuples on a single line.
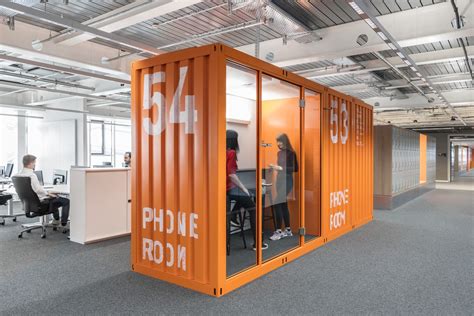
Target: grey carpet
[(417, 259)]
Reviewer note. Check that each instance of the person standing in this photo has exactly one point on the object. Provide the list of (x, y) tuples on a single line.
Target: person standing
[(127, 159), (287, 164)]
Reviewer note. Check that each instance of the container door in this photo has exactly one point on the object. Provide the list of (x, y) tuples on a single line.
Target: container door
[(280, 148), (241, 156)]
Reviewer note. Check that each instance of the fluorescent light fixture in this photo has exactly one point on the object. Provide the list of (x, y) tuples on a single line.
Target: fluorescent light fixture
[(423, 79), (392, 46), (431, 88), (382, 35), (400, 55), (370, 23), (356, 7), (413, 68), (434, 91), (406, 61), (418, 74)]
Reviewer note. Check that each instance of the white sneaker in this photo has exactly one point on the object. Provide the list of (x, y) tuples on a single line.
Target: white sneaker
[(277, 235), (286, 233), (264, 246)]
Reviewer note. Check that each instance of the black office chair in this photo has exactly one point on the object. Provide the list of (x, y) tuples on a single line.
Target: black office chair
[(232, 210), (32, 205), (4, 198)]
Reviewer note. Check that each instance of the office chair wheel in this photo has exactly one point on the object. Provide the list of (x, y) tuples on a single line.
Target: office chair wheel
[(28, 231), (65, 231), (14, 219), (43, 236), (2, 223), (55, 228), (20, 236)]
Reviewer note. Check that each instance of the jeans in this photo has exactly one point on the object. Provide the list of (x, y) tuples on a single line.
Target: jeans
[(284, 187), (58, 202)]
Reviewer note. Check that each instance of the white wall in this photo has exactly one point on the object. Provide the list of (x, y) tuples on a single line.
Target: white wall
[(247, 158)]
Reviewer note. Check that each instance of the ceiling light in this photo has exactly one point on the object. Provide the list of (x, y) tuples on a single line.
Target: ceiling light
[(423, 79), (370, 23), (382, 35), (418, 74), (400, 55), (392, 46), (356, 7), (406, 61), (413, 68)]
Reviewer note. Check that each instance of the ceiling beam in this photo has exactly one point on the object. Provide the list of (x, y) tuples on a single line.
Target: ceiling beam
[(422, 25), (68, 23), (126, 16), (62, 69)]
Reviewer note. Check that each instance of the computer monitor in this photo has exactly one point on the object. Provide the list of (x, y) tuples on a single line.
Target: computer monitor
[(39, 175), (8, 170), (59, 176)]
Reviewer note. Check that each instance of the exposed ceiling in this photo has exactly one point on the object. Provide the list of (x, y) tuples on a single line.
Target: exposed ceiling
[(82, 50)]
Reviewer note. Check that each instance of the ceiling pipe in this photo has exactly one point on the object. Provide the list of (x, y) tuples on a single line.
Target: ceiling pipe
[(460, 40), (52, 81)]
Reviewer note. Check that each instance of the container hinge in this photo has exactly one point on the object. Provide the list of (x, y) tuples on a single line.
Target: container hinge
[(302, 103), (266, 144), (302, 231)]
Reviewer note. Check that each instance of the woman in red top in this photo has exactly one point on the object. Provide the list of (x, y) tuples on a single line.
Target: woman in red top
[(235, 189)]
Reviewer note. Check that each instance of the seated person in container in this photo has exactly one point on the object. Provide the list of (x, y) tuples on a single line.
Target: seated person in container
[(127, 159), (287, 164), (235, 190)]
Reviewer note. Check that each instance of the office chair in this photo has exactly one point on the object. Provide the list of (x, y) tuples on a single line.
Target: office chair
[(32, 205), (4, 198)]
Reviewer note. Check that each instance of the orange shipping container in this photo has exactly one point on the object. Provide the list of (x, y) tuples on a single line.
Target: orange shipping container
[(303, 163)]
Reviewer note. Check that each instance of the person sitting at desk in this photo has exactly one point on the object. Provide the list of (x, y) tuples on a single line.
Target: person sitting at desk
[(29, 164), (127, 159), (235, 189)]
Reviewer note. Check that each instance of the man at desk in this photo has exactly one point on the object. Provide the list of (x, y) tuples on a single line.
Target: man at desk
[(127, 159), (29, 163)]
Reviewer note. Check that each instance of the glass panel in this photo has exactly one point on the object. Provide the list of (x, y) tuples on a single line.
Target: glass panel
[(312, 163), (280, 163), (241, 153), (123, 143)]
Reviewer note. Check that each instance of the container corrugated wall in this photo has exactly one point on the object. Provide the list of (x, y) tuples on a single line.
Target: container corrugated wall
[(178, 167), (173, 198), (347, 181)]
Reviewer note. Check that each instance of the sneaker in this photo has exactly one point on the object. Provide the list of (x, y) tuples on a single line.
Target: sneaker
[(55, 222), (264, 246), (277, 235), (286, 233)]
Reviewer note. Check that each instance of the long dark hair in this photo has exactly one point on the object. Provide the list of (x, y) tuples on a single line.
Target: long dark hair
[(286, 141), (232, 141)]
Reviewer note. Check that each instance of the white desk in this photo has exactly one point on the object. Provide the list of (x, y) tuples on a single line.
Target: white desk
[(100, 207), (62, 189)]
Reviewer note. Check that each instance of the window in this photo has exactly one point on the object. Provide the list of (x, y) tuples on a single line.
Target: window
[(9, 141), (109, 139)]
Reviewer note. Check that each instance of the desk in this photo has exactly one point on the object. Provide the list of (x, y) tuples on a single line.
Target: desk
[(100, 204), (61, 189)]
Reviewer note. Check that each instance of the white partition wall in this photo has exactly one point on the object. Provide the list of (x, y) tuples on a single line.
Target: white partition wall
[(100, 204)]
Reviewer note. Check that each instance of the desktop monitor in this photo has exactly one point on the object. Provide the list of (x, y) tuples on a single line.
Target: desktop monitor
[(8, 170), (39, 175), (59, 176)]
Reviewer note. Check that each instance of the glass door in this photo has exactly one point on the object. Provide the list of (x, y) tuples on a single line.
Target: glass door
[(280, 148)]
